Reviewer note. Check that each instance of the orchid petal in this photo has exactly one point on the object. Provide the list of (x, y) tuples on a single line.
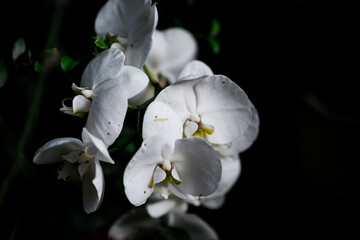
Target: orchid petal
[(160, 208), (81, 104), (198, 166), (132, 80), (134, 20), (93, 187), (224, 105), (231, 170), (138, 175), (159, 175), (195, 69), (190, 128), (161, 119), (193, 224), (181, 48), (245, 140), (96, 147), (53, 150), (181, 97), (107, 112), (130, 223), (107, 65)]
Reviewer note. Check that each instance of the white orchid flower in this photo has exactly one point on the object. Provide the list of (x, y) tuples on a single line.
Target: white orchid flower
[(172, 49), (211, 107), (105, 87), (137, 224), (185, 167), (133, 21), (81, 159)]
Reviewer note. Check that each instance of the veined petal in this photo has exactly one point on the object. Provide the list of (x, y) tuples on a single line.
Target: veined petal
[(160, 119), (107, 111), (198, 166), (97, 147), (81, 104), (181, 48), (224, 105), (53, 150), (107, 65), (195, 69), (93, 187), (138, 174)]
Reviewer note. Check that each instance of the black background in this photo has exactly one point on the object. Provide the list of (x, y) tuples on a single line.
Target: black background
[(296, 60)]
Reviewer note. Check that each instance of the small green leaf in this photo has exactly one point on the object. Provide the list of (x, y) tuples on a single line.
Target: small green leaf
[(100, 43), (3, 75), (37, 66), (19, 48), (215, 45), (67, 63), (215, 27)]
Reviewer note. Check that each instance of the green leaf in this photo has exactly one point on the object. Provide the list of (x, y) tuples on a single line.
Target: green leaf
[(37, 66), (100, 43), (215, 45), (19, 48), (3, 75), (215, 28), (67, 63)]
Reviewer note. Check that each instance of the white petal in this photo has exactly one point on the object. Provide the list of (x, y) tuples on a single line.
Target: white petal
[(132, 80), (53, 150), (195, 69), (198, 166), (138, 174), (107, 112), (81, 104), (93, 187), (160, 208), (107, 65), (231, 170), (181, 48), (134, 20), (83, 168), (181, 97), (97, 147), (224, 105), (157, 54), (194, 225), (134, 221), (190, 128), (245, 140), (160, 119), (159, 175)]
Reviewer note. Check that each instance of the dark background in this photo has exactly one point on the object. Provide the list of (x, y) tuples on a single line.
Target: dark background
[(296, 60)]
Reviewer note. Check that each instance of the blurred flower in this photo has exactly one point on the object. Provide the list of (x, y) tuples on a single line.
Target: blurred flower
[(137, 224), (133, 21), (81, 159), (187, 167), (172, 49), (105, 87)]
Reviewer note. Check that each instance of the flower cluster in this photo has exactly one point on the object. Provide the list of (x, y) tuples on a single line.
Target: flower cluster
[(193, 129)]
